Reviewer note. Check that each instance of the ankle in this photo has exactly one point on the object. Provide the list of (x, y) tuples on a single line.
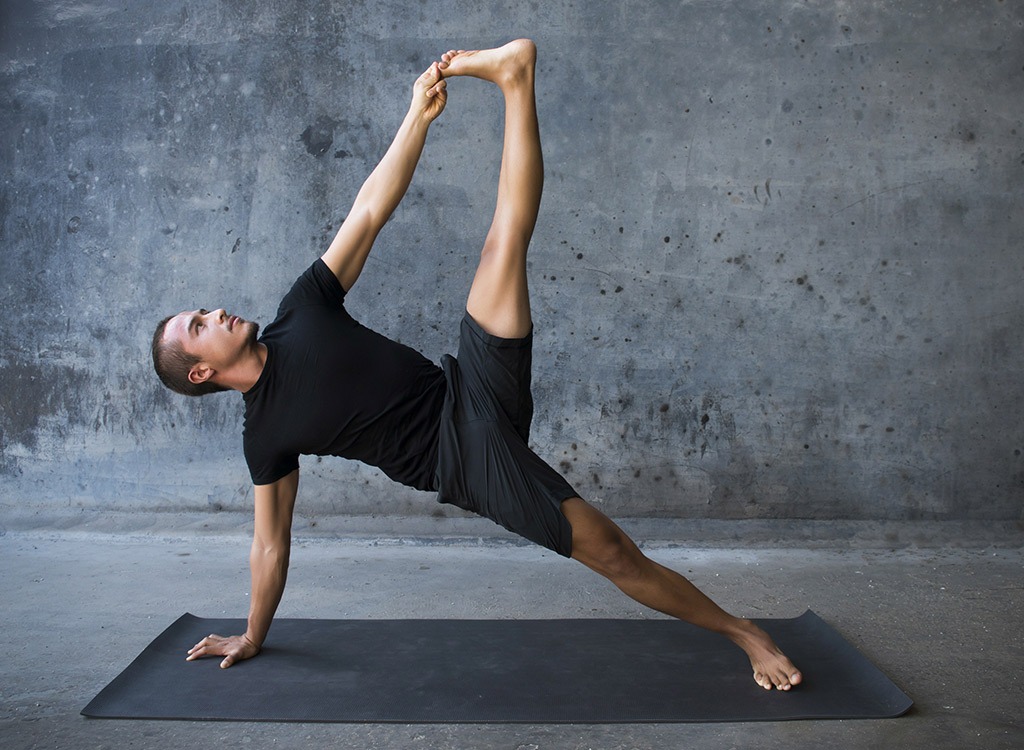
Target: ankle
[(520, 69), (743, 632)]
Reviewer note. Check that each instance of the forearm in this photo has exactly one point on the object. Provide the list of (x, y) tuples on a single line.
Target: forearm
[(384, 188), (387, 184), (269, 567)]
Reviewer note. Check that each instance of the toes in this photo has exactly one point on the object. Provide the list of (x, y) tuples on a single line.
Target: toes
[(446, 60), (777, 682), (788, 681)]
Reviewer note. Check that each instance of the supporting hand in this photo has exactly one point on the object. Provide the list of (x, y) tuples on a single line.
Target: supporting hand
[(429, 94), (233, 648)]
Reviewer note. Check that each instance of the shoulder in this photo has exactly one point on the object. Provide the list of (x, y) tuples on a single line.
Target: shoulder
[(316, 286)]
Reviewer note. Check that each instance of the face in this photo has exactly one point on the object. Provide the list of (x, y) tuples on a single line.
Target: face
[(219, 340)]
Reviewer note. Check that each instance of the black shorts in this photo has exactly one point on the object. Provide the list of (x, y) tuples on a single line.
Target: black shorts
[(484, 462)]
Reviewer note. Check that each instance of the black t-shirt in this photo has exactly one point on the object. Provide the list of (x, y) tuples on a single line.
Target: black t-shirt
[(331, 386)]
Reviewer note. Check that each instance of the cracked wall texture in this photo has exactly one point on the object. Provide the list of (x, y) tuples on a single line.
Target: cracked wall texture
[(777, 274)]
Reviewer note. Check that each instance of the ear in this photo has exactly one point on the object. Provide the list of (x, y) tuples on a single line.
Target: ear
[(200, 373)]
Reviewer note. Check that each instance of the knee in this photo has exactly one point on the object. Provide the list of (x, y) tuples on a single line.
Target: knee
[(601, 545), (615, 556)]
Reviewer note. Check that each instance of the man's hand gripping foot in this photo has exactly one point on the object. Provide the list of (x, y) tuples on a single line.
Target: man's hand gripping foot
[(429, 93)]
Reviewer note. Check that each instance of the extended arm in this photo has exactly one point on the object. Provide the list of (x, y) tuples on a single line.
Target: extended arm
[(386, 185), (268, 562)]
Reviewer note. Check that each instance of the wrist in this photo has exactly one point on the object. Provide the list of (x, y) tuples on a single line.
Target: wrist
[(252, 642), (417, 118)]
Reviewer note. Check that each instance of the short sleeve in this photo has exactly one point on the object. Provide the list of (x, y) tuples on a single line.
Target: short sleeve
[(265, 468), (316, 286)]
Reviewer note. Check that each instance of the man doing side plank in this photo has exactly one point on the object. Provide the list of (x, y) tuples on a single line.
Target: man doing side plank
[(317, 382)]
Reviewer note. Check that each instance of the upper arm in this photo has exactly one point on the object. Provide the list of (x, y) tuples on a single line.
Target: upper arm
[(274, 505), (351, 245)]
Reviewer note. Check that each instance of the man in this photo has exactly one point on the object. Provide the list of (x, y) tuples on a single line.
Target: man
[(317, 382)]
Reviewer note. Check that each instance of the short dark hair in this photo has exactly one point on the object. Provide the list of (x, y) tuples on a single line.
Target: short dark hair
[(172, 364)]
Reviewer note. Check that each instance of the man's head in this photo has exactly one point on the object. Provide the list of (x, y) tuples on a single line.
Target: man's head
[(192, 351)]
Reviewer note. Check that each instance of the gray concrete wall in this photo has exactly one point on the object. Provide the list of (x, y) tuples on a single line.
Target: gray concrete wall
[(778, 271)]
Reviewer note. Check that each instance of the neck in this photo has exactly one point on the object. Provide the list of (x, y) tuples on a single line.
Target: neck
[(246, 372)]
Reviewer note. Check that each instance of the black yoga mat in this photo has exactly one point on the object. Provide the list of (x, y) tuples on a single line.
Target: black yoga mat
[(496, 671)]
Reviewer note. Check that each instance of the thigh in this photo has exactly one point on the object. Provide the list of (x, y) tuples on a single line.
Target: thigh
[(499, 299), (496, 376), (507, 482)]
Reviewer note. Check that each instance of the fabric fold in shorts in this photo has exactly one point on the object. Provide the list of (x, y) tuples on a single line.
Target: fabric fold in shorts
[(485, 464)]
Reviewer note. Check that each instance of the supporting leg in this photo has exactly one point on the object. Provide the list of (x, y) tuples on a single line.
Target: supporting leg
[(602, 546), (499, 297)]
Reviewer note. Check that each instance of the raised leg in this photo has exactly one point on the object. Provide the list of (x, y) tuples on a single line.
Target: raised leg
[(602, 546), (499, 298), (499, 302)]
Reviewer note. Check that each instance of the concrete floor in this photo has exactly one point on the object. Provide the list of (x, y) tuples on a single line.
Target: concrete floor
[(78, 605)]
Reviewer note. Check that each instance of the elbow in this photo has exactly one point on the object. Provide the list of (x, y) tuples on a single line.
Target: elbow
[(367, 217)]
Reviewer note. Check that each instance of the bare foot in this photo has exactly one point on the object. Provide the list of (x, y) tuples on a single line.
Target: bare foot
[(772, 669), (512, 63)]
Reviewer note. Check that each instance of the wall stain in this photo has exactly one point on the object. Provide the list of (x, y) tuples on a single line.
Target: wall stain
[(30, 394), (319, 137)]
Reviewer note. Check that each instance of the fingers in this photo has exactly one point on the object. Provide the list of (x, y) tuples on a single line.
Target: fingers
[(433, 80), (200, 649), (234, 649), (438, 89), (211, 645), (433, 73)]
